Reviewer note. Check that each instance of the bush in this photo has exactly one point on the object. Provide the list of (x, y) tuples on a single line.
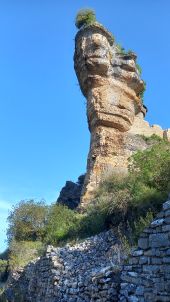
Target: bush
[(85, 17), (3, 265), (152, 166), (67, 225), (3, 270), (141, 224), (27, 221), (62, 224), (22, 252)]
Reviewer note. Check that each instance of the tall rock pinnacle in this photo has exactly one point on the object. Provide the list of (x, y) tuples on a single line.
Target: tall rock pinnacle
[(111, 83)]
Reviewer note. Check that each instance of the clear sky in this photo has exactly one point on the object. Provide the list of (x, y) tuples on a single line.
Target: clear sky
[(43, 129)]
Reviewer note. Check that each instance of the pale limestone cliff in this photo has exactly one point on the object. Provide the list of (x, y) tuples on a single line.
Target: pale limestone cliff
[(112, 86)]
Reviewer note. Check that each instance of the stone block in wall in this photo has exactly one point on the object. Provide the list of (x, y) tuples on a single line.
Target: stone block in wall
[(159, 240), (143, 243), (166, 205)]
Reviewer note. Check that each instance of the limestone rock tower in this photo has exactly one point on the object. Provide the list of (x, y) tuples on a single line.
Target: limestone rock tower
[(111, 83)]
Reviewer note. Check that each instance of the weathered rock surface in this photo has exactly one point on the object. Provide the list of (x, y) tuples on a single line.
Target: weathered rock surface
[(111, 83), (71, 193)]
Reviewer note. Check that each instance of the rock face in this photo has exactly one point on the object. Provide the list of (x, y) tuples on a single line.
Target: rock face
[(71, 192), (111, 83)]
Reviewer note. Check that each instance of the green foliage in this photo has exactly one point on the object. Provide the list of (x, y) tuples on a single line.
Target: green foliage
[(3, 271), (141, 224), (152, 166), (65, 224), (27, 221), (22, 252), (139, 68), (153, 139), (4, 255), (61, 224), (126, 202), (143, 91), (85, 17), (120, 48), (3, 266)]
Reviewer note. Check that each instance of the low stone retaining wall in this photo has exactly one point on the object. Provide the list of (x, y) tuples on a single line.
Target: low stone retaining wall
[(147, 276), (87, 271)]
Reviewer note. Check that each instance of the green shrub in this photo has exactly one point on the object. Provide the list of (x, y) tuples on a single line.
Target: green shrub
[(22, 252), (141, 224), (152, 166), (27, 221), (85, 17), (152, 140), (3, 265), (62, 224), (3, 270)]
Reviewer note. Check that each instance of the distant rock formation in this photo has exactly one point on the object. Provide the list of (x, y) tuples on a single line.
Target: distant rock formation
[(71, 192), (111, 83)]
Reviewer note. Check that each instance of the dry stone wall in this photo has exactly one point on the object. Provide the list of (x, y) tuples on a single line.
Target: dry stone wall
[(147, 276), (88, 271)]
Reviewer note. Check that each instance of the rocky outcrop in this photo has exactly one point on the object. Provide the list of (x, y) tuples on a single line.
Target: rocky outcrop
[(71, 193), (146, 278), (111, 83)]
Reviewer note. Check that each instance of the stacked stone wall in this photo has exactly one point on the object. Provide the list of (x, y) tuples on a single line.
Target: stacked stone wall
[(146, 278), (87, 271)]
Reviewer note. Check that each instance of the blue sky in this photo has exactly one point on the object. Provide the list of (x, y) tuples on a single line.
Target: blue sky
[(43, 128)]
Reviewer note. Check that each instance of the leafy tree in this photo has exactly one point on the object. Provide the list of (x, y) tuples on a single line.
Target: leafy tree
[(27, 221)]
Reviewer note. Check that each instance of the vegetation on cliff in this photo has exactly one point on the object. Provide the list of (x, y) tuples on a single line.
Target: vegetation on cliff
[(126, 203), (85, 17)]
